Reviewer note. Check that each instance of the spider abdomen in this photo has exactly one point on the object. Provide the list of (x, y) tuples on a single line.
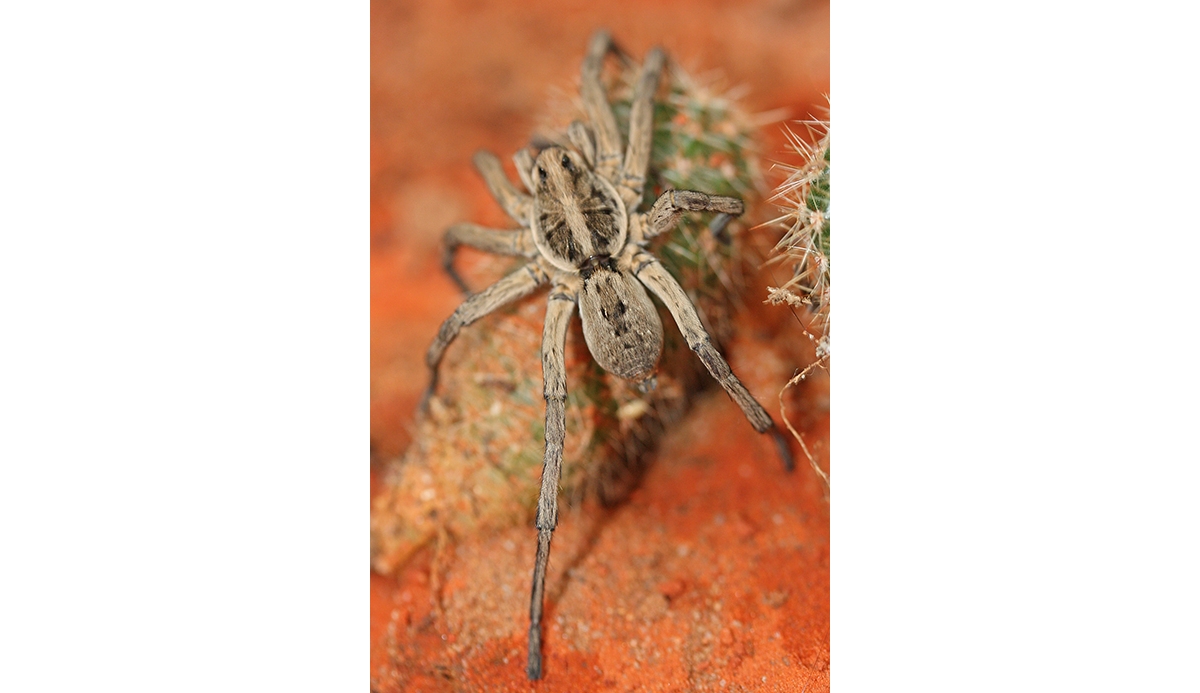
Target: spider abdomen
[(620, 324)]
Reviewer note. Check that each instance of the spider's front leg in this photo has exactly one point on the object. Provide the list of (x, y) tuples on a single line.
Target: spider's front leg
[(650, 271), (641, 130), (554, 389), (599, 112)]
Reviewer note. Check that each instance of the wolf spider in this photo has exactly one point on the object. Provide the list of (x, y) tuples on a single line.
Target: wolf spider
[(583, 236)]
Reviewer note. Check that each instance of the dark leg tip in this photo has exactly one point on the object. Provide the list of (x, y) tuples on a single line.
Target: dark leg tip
[(423, 406), (719, 227), (534, 669), (458, 280), (785, 452)]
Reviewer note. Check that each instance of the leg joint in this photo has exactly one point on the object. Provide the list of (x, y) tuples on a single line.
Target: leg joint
[(546, 522), (641, 262), (536, 272)]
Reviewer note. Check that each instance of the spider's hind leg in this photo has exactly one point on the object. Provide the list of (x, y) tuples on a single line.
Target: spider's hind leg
[(656, 278), (554, 389)]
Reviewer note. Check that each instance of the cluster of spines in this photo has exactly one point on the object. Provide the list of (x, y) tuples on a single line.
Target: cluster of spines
[(803, 198)]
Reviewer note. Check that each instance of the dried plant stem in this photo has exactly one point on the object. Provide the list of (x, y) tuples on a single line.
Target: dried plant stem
[(786, 422)]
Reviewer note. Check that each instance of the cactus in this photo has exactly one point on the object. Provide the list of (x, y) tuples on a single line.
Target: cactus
[(475, 461), (803, 198)]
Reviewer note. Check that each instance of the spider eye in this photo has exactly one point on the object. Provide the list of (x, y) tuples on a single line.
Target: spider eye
[(542, 173), (566, 163)]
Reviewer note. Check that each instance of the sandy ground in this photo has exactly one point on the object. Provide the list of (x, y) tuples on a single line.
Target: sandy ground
[(714, 574)]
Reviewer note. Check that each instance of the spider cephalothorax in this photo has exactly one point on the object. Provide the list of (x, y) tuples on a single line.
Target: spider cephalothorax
[(577, 215), (582, 234)]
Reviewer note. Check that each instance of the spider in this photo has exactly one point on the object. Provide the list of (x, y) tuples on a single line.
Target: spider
[(582, 235)]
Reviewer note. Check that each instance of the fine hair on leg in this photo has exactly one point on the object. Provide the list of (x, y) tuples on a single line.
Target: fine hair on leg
[(524, 281), (671, 204), (523, 160), (581, 138), (514, 202), (554, 389), (662, 284), (496, 241), (595, 104), (641, 129)]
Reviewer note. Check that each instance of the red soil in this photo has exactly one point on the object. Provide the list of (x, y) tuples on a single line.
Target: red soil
[(714, 574)]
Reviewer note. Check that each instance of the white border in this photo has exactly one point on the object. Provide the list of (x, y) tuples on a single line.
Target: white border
[(1014, 468), (184, 278)]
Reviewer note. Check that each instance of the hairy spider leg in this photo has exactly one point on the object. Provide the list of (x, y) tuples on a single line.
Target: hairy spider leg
[(656, 278), (641, 130), (523, 160), (595, 104), (670, 205), (516, 242), (515, 203), (524, 281), (581, 137), (554, 389)]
